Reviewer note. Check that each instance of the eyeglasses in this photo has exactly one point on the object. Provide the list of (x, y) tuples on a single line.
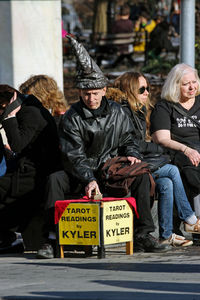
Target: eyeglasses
[(143, 88)]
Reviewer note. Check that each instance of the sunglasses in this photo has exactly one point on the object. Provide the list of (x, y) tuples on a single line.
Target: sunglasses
[(143, 88)]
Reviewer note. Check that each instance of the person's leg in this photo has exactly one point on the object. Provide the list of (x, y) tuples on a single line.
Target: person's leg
[(15, 212), (56, 188), (182, 204), (140, 190), (164, 187), (169, 187), (143, 241)]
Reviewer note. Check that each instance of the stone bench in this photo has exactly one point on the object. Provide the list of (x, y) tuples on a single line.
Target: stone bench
[(106, 45)]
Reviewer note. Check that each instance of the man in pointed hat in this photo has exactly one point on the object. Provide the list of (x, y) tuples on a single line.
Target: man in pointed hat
[(92, 131)]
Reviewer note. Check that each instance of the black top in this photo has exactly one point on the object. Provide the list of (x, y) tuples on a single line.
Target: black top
[(33, 136), (165, 117)]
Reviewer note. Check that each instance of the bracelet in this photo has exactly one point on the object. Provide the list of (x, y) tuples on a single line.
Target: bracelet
[(185, 149)]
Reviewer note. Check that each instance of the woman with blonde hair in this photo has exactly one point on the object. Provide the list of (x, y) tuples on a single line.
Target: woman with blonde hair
[(175, 124), (47, 91), (136, 89)]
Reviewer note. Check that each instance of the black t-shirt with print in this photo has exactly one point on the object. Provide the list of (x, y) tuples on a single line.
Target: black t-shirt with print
[(166, 117)]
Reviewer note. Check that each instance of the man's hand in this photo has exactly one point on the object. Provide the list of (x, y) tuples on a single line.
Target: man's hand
[(133, 160), (91, 187)]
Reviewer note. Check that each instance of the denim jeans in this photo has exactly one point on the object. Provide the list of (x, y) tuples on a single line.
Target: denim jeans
[(170, 189)]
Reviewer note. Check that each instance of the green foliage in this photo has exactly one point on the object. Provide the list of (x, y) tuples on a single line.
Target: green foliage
[(159, 65)]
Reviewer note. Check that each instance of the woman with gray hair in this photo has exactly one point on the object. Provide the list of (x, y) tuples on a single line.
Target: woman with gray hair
[(175, 124)]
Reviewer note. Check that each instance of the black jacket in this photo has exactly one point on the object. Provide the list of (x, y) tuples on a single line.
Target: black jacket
[(88, 140), (33, 137), (139, 123)]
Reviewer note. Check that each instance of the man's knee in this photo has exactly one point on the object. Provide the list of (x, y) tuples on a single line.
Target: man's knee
[(59, 179)]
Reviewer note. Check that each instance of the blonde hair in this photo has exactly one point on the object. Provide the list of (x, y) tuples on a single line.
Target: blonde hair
[(128, 83), (46, 90), (171, 87)]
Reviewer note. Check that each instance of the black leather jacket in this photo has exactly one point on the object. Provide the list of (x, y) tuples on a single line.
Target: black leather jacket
[(88, 140), (139, 123)]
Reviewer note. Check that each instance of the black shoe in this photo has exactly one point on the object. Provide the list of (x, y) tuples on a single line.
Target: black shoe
[(46, 251), (147, 243), (11, 243), (196, 239)]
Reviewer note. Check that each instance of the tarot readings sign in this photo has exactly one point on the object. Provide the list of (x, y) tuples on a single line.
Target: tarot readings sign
[(79, 224), (117, 222)]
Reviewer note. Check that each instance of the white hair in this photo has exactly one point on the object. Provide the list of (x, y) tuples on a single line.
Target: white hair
[(171, 87)]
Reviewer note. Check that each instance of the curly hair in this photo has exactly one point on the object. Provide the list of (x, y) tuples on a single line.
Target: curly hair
[(46, 90), (115, 94), (128, 83)]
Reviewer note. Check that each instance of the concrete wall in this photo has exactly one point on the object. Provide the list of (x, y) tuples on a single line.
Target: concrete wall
[(31, 41)]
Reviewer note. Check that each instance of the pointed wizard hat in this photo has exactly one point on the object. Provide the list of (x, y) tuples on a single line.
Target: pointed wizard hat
[(89, 75)]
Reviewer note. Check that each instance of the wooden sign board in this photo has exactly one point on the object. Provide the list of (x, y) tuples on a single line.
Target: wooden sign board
[(117, 222), (79, 224)]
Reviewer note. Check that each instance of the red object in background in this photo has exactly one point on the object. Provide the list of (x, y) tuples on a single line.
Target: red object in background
[(64, 32), (61, 205)]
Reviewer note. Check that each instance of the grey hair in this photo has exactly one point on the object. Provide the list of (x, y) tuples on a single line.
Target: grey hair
[(171, 87)]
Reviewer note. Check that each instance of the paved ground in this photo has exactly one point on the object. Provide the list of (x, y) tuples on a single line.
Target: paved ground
[(173, 275)]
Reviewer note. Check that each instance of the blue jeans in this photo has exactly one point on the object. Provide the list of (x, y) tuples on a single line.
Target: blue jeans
[(170, 188)]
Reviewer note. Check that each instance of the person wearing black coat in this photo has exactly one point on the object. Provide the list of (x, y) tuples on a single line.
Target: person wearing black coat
[(32, 136), (92, 131)]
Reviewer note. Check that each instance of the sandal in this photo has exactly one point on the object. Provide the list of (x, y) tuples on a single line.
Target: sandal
[(195, 228), (177, 240)]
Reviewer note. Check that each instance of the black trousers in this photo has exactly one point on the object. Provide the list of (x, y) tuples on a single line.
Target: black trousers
[(140, 190), (58, 186), (20, 198)]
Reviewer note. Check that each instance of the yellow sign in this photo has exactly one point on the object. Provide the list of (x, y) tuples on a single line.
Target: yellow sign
[(79, 224), (117, 222)]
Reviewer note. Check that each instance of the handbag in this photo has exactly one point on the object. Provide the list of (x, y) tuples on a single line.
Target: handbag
[(155, 160), (117, 175)]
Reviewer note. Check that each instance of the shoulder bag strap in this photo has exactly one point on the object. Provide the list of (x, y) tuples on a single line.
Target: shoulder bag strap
[(182, 112)]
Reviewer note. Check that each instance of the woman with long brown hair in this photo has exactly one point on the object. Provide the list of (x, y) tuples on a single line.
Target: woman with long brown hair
[(136, 103)]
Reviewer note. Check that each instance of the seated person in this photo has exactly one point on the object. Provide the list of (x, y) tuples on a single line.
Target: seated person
[(137, 105), (32, 136), (172, 125), (92, 131), (45, 89), (143, 26)]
